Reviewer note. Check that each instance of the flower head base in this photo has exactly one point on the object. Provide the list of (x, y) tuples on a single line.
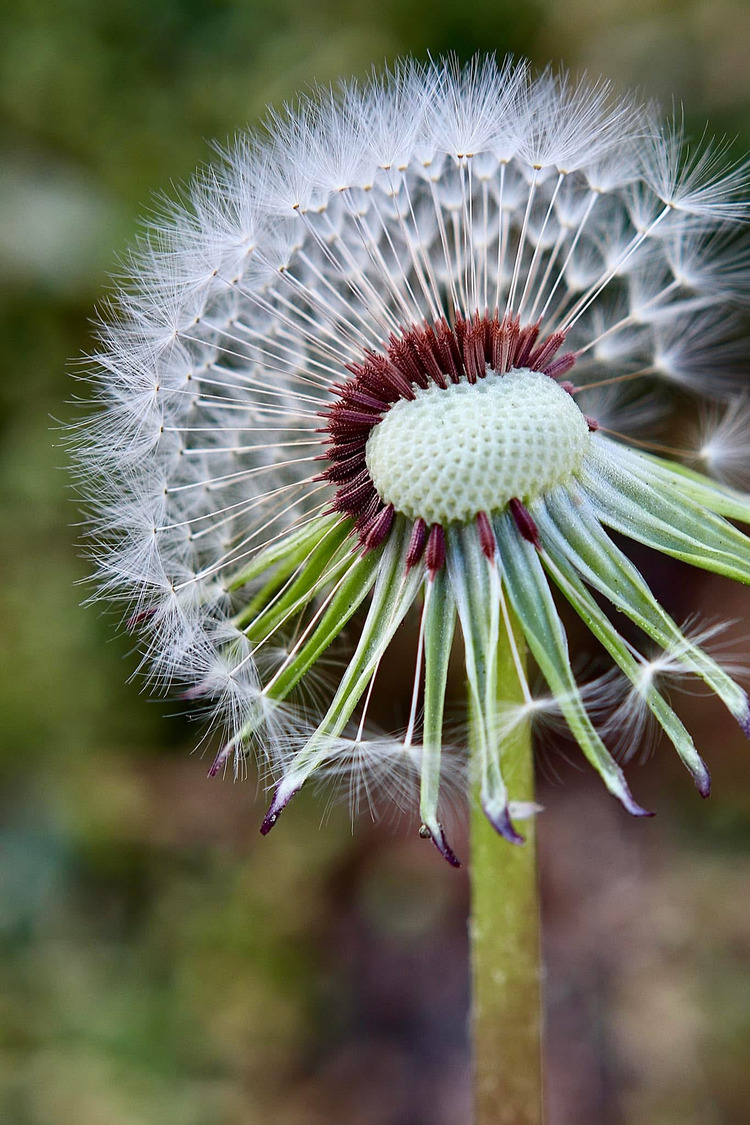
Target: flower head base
[(451, 454), (424, 429), (343, 384)]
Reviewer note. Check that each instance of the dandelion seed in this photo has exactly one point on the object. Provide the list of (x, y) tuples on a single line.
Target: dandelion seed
[(722, 445), (360, 369)]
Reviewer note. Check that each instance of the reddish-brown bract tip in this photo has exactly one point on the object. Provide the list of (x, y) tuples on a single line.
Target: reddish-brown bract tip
[(561, 366), (416, 543), (138, 618), (379, 528), (524, 522), (435, 553), (486, 535)]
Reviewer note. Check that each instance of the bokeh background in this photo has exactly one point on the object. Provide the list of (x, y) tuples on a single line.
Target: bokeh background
[(159, 962)]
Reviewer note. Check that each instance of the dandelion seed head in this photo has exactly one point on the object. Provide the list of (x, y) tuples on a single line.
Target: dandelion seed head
[(409, 345)]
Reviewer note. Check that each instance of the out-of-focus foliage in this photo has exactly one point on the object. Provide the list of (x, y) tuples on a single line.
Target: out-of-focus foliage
[(159, 962)]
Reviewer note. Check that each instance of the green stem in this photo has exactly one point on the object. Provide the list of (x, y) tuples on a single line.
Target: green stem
[(504, 937)]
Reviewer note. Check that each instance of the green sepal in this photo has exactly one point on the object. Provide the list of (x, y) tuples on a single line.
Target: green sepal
[(292, 548), (439, 628), (348, 596), (531, 598), (678, 527), (315, 570), (570, 585), (571, 525), (475, 581), (695, 486), (394, 592)]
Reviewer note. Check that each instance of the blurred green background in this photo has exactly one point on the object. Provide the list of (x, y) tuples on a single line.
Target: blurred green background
[(159, 962)]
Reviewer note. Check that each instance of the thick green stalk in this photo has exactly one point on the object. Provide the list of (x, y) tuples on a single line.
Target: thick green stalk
[(504, 938)]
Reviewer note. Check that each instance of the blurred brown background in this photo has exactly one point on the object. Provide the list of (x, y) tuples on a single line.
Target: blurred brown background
[(160, 962)]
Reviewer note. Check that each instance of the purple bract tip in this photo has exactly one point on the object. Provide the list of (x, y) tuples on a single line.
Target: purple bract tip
[(268, 822), (281, 799), (702, 781), (438, 838), (217, 763), (633, 807), (745, 724), (503, 825)]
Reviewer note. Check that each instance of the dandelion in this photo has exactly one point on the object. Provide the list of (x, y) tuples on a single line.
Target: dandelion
[(376, 360)]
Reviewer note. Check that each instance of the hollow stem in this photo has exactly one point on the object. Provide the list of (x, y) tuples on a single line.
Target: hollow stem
[(504, 940)]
